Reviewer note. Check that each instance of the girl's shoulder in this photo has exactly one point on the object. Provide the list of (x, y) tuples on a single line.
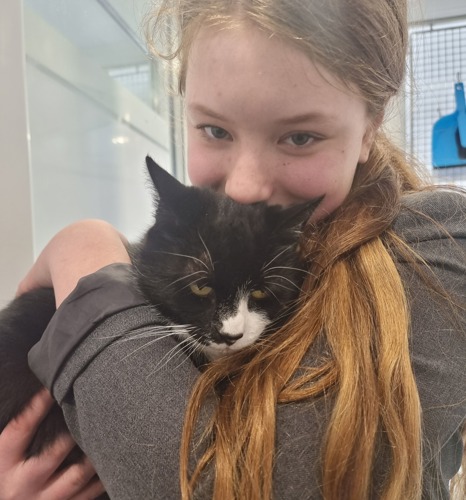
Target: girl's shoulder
[(432, 214), (436, 199)]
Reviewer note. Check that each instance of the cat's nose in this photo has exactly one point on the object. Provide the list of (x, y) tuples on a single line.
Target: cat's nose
[(230, 339)]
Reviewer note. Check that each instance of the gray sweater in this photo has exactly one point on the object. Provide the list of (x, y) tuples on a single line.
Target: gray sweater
[(124, 393)]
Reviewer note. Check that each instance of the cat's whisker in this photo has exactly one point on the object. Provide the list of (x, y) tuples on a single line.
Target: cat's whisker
[(281, 285), (188, 276), (276, 322), (267, 264), (162, 333), (190, 350), (151, 342), (166, 359), (183, 255), (289, 268), (178, 349), (151, 330), (284, 278), (137, 270), (191, 283), (147, 344), (207, 250), (184, 360), (268, 289)]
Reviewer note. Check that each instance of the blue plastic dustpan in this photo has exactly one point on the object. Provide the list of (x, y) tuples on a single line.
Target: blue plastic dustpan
[(449, 135)]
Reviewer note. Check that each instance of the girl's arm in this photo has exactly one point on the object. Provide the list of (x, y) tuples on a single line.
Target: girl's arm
[(76, 251)]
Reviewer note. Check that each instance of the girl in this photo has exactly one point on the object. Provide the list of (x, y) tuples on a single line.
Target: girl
[(362, 395)]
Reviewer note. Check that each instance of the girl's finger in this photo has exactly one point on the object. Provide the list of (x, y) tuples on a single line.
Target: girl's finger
[(73, 481), (46, 464), (94, 489), (16, 436)]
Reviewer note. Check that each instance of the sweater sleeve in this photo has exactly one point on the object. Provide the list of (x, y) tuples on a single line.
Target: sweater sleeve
[(95, 298), (122, 382)]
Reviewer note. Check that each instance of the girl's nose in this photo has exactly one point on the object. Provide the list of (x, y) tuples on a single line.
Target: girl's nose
[(249, 180)]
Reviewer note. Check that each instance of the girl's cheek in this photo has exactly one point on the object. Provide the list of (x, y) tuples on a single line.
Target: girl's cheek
[(196, 173), (195, 165), (319, 178), (305, 182), (202, 169)]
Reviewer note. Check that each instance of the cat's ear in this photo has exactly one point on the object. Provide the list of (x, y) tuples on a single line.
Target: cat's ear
[(296, 216), (168, 190)]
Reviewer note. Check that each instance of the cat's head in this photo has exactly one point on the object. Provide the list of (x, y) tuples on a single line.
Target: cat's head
[(229, 271)]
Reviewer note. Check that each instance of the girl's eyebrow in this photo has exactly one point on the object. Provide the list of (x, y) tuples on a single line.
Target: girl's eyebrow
[(205, 111), (315, 116)]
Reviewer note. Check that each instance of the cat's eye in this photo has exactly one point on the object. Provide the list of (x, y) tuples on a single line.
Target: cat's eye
[(259, 294), (201, 291)]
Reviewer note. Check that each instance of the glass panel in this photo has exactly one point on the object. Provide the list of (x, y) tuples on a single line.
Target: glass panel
[(97, 106)]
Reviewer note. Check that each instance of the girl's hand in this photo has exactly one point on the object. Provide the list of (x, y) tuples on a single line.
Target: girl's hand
[(36, 478), (76, 251)]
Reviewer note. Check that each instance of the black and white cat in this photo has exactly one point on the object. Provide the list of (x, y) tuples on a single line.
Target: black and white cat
[(227, 272)]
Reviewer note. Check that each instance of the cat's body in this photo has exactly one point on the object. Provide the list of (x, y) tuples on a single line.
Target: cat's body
[(228, 272)]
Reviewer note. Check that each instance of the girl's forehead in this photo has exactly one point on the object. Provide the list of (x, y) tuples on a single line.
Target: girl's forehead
[(244, 64)]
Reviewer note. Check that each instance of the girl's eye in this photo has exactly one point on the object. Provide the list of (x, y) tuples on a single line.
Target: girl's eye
[(215, 132), (201, 291), (299, 139)]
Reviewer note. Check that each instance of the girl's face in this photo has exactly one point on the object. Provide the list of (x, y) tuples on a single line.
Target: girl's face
[(267, 124)]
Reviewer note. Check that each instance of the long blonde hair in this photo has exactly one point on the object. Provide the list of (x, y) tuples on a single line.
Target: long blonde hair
[(353, 285)]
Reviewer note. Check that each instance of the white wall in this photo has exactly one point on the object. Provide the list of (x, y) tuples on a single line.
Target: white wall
[(16, 244), (77, 115), (72, 139)]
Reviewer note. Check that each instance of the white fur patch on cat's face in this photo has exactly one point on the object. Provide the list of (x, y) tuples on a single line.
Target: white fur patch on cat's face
[(249, 324)]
